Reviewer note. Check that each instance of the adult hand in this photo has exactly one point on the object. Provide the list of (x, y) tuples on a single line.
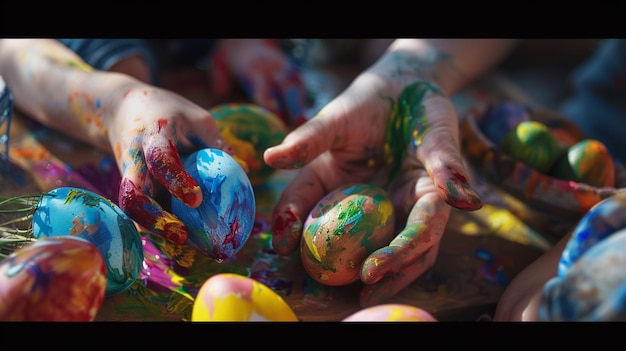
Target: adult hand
[(347, 142), (265, 73)]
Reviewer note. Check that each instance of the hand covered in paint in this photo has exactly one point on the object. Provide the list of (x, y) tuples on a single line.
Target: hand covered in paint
[(148, 130), (581, 278), (393, 130), (266, 75)]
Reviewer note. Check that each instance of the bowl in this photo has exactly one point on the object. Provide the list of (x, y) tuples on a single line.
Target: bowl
[(548, 203)]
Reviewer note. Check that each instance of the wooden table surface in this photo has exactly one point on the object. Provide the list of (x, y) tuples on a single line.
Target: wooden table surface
[(479, 253)]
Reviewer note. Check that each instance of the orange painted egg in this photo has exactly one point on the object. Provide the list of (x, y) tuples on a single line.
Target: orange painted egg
[(532, 143), (391, 313), (229, 297), (250, 130), (343, 228), (587, 161), (60, 278)]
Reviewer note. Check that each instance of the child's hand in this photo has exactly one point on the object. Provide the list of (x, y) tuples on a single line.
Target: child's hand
[(347, 142), (266, 75)]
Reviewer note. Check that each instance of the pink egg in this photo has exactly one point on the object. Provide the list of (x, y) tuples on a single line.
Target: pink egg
[(391, 313)]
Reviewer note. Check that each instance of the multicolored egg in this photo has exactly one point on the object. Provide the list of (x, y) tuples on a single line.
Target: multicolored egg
[(391, 313), (78, 212), (229, 297), (53, 279), (532, 143), (589, 162), (343, 228), (222, 224), (502, 117), (250, 130)]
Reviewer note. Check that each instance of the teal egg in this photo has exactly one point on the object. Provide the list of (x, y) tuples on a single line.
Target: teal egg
[(82, 213)]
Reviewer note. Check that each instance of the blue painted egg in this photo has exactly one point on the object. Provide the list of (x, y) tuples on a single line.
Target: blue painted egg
[(78, 212), (222, 224), (502, 117)]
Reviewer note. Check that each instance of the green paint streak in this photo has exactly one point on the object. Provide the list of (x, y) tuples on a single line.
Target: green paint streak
[(88, 200), (407, 120)]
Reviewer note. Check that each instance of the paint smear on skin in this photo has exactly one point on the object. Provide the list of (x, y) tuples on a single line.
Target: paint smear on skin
[(147, 212), (166, 167), (83, 105), (407, 121)]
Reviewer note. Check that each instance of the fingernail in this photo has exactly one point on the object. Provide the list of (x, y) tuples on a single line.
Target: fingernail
[(459, 193), (174, 230)]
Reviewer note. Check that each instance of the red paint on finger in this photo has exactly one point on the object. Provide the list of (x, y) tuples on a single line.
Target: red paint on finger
[(149, 214), (286, 229), (455, 189), (166, 167)]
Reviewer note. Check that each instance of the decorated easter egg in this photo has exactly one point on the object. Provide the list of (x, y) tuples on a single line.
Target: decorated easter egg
[(587, 161), (343, 228), (229, 297), (391, 313), (502, 117), (531, 143), (53, 279), (78, 212), (222, 224), (250, 129)]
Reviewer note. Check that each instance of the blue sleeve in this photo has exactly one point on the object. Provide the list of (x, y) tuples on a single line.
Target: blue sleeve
[(102, 54)]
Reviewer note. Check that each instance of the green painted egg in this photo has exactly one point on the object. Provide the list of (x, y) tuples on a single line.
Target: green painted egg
[(345, 227), (587, 161), (532, 143), (250, 130)]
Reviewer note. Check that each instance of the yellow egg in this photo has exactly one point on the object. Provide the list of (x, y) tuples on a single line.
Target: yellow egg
[(532, 143), (250, 130), (391, 313), (345, 227), (229, 297)]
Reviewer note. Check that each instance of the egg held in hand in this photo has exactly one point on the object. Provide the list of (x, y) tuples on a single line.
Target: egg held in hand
[(343, 228), (587, 161), (61, 278), (250, 130), (532, 143), (229, 297), (222, 224)]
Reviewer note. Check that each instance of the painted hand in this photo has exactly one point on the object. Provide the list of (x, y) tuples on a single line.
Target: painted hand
[(347, 142), (149, 129), (266, 75), (589, 284)]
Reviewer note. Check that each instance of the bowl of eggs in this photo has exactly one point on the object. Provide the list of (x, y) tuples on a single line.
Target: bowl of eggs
[(541, 160)]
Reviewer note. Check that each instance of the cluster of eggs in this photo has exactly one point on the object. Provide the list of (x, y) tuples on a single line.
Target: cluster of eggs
[(509, 126)]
